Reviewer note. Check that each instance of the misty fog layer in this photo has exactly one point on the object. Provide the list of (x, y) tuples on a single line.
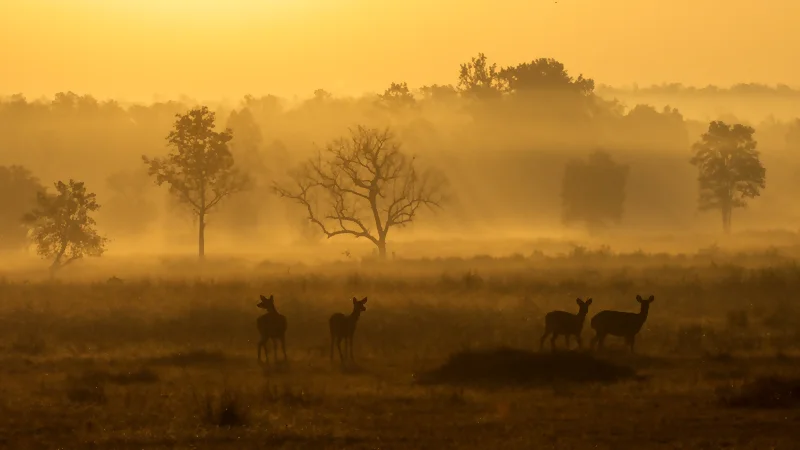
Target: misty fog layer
[(503, 145)]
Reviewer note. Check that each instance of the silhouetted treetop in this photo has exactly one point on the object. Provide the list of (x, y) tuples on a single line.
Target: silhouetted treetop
[(480, 80), (397, 96), (729, 168), (544, 74)]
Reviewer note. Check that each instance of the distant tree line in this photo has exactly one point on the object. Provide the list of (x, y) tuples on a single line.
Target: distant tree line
[(364, 182)]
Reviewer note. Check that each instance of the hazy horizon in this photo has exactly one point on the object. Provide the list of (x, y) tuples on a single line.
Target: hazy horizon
[(137, 53)]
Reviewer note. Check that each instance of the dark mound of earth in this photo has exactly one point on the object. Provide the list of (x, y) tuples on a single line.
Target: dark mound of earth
[(507, 366)]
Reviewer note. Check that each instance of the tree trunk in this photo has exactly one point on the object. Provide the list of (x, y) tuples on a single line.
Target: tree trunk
[(382, 249), (726, 219), (201, 238)]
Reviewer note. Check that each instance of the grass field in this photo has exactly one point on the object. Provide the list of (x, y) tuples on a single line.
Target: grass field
[(169, 361)]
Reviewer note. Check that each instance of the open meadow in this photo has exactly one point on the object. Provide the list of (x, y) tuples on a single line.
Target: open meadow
[(446, 356)]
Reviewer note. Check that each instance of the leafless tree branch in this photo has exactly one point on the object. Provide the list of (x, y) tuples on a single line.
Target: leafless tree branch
[(363, 185)]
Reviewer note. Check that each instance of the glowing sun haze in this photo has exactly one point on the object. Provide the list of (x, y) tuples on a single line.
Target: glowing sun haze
[(133, 49)]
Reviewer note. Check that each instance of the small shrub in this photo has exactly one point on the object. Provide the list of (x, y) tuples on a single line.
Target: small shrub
[(225, 410)]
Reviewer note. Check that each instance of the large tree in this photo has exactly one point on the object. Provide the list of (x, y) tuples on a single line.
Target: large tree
[(480, 80), (730, 170), (363, 185), (593, 191), (397, 97), (544, 74), (18, 193), (62, 227), (200, 168)]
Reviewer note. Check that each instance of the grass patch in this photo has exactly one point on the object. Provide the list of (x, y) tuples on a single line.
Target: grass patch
[(85, 391), (189, 358), (507, 366), (140, 376)]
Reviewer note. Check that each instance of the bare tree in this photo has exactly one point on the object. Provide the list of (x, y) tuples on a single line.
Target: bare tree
[(366, 186), (200, 171)]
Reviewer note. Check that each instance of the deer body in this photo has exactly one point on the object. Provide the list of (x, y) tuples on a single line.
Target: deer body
[(272, 327), (343, 327), (622, 324), (561, 322)]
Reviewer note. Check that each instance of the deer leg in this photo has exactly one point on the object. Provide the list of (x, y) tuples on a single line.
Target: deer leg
[(283, 347), (352, 358), (275, 350), (339, 345), (260, 344), (597, 341), (580, 341), (541, 341), (630, 342), (553, 342), (566, 340)]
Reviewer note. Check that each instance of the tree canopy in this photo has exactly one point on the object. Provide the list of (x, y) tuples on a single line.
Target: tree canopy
[(62, 226), (593, 191), (729, 168), (200, 168)]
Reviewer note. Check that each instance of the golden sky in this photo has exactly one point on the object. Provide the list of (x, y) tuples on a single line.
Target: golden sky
[(210, 49)]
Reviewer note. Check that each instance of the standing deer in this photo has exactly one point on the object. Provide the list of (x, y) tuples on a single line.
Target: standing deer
[(562, 322), (342, 328), (618, 323), (271, 326)]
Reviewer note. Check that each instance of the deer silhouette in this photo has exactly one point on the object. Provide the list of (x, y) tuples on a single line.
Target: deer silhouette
[(568, 324), (342, 328), (621, 324), (271, 326)]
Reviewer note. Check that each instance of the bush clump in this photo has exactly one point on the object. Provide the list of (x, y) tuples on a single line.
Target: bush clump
[(766, 392), (506, 366)]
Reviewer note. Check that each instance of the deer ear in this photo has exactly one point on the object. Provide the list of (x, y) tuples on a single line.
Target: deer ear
[(579, 301), (364, 300), (589, 302), (355, 300), (639, 298), (652, 298), (271, 297), (263, 298)]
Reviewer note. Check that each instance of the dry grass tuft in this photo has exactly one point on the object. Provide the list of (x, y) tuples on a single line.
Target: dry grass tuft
[(225, 409)]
